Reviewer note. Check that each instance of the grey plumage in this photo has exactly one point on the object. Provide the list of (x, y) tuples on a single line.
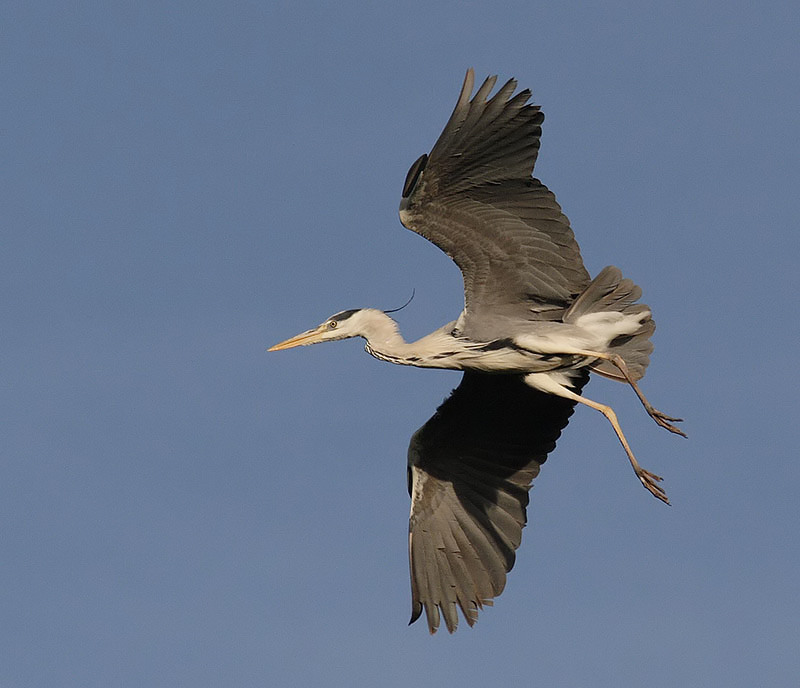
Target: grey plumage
[(610, 292), (476, 200)]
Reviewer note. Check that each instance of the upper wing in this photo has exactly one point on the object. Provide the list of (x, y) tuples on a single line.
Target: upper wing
[(474, 197), (470, 469)]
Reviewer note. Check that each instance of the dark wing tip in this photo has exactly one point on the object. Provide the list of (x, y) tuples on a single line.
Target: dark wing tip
[(416, 612)]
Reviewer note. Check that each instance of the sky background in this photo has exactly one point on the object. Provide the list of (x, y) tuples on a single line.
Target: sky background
[(186, 183)]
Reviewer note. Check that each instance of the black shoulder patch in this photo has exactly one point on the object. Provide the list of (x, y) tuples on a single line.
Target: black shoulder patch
[(413, 174)]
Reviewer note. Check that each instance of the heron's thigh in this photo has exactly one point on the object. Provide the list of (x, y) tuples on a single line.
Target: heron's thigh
[(553, 382)]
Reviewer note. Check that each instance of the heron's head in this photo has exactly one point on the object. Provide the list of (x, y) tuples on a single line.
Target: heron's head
[(339, 326)]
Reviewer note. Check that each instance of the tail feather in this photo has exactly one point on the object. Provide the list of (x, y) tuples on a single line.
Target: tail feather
[(609, 291)]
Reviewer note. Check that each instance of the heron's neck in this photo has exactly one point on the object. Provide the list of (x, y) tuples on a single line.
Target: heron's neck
[(384, 340)]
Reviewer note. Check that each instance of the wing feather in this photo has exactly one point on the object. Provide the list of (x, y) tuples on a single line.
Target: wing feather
[(474, 197), (470, 469)]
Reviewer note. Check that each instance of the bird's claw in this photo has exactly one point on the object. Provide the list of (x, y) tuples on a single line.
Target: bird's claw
[(664, 421), (650, 481)]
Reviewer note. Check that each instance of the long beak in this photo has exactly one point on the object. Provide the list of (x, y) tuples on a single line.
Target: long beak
[(309, 337)]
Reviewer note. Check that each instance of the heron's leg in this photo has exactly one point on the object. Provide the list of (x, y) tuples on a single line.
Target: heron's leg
[(546, 383), (658, 416)]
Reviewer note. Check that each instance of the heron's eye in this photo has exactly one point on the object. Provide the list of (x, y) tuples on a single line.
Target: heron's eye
[(332, 325)]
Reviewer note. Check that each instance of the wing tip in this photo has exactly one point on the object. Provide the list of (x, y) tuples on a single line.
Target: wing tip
[(433, 616), (416, 612), (469, 611), (466, 88)]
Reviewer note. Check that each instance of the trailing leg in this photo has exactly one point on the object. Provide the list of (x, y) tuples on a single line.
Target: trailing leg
[(546, 383), (658, 416)]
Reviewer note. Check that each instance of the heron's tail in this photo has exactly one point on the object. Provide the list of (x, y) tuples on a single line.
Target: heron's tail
[(610, 292)]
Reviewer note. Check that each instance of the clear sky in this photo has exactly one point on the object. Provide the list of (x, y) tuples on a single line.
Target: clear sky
[(187, 183)]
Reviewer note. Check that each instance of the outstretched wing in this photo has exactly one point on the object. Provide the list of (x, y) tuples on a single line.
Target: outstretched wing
[(470, 468), (474, 197)]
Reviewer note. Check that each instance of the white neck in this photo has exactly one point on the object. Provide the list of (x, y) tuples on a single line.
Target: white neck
[(385, 342)]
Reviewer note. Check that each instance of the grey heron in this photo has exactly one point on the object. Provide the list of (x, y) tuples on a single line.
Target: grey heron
[(533, 326)]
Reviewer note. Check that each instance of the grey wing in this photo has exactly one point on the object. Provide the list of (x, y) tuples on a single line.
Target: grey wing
[(474, 197), (470, 469)]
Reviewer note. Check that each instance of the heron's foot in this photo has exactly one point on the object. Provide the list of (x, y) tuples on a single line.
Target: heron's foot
[(664, 420), (650, 481)]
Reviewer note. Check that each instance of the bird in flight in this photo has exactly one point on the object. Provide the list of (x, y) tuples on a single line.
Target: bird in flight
[(533, 326)]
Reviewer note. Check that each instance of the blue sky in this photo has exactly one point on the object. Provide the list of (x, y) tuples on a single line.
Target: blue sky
[(185, 184)]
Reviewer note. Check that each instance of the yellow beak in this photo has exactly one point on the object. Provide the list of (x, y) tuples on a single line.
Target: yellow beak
[(309, 337)]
